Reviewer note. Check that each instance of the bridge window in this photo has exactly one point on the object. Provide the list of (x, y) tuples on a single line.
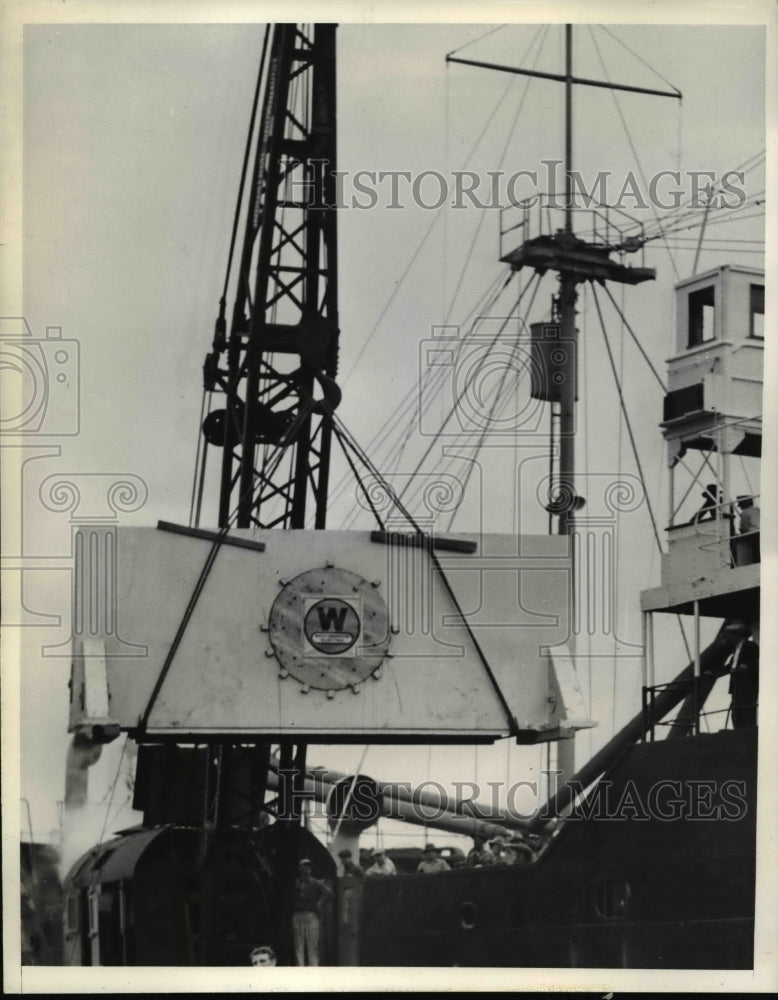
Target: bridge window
[(756, 328), (701, 316)]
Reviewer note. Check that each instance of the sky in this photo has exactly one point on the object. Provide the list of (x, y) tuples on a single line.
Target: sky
[(133, 137)]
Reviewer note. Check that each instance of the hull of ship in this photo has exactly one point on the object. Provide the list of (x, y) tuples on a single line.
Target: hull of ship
[(657, 872)]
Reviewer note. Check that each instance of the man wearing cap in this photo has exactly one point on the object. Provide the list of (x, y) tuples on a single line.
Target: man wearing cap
[(381, 864), (350, 868), (432, 863), (308, 895), (503, 855)]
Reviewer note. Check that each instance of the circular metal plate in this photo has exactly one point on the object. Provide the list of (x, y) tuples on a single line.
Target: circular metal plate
[(329, 628)]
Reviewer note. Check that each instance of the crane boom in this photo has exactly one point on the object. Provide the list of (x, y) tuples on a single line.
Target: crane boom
[(281, 350)]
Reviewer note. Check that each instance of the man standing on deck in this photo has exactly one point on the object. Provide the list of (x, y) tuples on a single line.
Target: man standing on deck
[(381, 865), (749, 526), (432, 863), (308, 895), (711, 497), (481, 855), (350, 868)]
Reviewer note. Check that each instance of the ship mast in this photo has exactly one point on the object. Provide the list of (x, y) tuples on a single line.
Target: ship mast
[(574, 260), (567, 300)]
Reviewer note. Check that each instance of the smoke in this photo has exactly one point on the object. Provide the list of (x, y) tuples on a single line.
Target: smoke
[(83, 752), (99, 779)]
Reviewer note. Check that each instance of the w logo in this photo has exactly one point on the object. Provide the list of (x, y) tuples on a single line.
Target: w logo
[(332, 616), (332, 626)]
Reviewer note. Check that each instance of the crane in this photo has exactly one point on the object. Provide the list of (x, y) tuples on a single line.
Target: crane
[(269, 360)]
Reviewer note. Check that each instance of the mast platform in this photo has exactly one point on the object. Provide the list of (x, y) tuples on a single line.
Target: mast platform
[(566, 253), (548, 242)]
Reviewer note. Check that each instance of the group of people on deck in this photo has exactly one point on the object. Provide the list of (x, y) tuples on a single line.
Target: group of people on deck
[(383, 865), (485, 853), (311, 893), (497, 852)]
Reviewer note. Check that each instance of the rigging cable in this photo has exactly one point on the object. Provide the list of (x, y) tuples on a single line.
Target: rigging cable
[(202, 449), (682, 246), (492, 413), (522, 100), (431, 226), (200, 454), (639, 58), (685, 218), (206, 569), (629, 139), (690, 219), (539, 35), (432, 381), (355, 471), (446, 165), (639, 346), (615, 620), (244, 168), (440, 380), (370, 466), (511, 721), (112, 790), (466, 387), (449, 458), (634, 446), (680, 211), (434, 378), (350, 793), (480, 38), (718, 220), (701, 236)]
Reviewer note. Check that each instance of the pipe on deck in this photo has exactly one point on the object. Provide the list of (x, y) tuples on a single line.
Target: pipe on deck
[(418, 808)]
